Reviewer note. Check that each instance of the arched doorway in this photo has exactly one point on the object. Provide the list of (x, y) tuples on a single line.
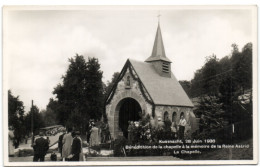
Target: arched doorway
[(130, 110)]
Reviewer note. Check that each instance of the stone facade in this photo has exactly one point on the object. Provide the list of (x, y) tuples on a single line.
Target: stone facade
[(126, 89)]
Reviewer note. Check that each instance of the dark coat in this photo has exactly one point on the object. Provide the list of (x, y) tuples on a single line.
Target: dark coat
[(76, 146), (41, 146), (60, 144)]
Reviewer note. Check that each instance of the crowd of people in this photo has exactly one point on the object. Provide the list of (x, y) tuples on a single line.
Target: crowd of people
[(70, 146), (149, 130)]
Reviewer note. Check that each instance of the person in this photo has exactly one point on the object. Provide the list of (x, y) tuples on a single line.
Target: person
[(182, 125), (76, 147), (25, 139), (160, 123), (60, 144), (104, 133), (40, 147), (11, 142), (130, 131), (89, 130), (94, 137), (174, 129), (67, 141), (48, 139)]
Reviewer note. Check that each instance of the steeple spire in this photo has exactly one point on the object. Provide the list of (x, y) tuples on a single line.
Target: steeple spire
[(158, 48)]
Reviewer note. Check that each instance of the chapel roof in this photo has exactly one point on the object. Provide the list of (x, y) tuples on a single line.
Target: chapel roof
[(163, 90)]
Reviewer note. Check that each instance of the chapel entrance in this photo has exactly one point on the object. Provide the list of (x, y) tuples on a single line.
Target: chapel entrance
[(130, 110)]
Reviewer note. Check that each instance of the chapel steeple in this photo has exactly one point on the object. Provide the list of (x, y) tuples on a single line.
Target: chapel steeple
[(158, 58)]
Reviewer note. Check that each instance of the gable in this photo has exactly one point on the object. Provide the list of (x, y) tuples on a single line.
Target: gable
[(128, 79)]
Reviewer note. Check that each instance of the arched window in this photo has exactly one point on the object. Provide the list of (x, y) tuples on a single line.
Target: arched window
[(166, 116), (182, 114), (128, 81), (174, 117)]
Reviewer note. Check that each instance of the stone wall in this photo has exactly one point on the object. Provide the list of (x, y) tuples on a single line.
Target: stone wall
[(160, 110)]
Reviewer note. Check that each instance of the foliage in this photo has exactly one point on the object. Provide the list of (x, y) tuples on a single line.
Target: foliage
[(212, 111), (234, 71), (218, 87), (49, 117), (80, 96), (38, 121), (111, 83), (186, 85), (16, 116)]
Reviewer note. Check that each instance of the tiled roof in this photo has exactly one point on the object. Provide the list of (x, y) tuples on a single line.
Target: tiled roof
[(163, 90)]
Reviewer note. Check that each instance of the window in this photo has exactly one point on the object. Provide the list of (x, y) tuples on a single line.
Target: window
[(165, 67), (182, 114), (166, 116), (174, 116), (128, 81)]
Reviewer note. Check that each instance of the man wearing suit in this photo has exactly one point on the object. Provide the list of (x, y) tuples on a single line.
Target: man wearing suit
[(76, 146), (40, 147)]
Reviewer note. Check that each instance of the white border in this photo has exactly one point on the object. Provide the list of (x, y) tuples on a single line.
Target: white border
[(186, 162)]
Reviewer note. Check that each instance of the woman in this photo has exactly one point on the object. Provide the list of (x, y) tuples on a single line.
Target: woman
[(66, 148), (94, 136), (174, 129)]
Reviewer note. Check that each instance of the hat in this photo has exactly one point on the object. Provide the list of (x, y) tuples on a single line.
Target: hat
[(77, 133)]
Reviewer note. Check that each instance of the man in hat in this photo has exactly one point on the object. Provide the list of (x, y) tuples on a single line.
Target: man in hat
[(75, 147), (40, 147)]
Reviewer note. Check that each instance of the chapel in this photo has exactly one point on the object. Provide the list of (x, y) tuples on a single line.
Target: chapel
[(147, 87)]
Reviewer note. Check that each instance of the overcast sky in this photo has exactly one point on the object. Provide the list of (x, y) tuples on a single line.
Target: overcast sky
[(38, 43)]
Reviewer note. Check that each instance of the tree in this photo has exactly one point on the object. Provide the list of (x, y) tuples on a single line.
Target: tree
[(38, 121), (94, 88), (111, 83), (206, 80), (186, 85), (16, 116), (80, 96), (211, 109), (49, 117), (242, 66)]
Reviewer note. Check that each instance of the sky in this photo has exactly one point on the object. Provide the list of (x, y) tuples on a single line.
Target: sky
[(38, 42)]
